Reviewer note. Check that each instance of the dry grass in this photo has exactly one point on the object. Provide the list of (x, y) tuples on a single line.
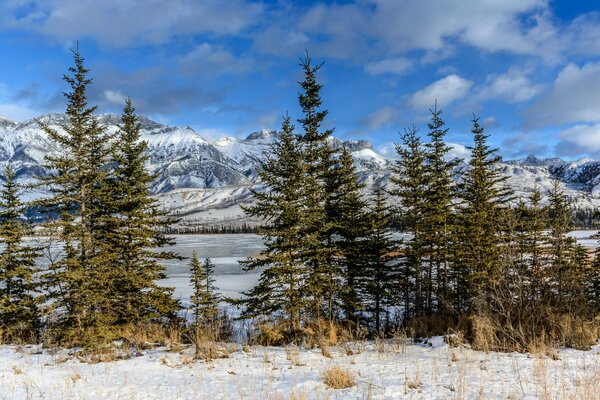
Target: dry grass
[(338, 378), (293, 355)]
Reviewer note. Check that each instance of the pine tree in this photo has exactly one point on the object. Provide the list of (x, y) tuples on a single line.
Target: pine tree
[(438, 218), (132, 230), (19, 307), (379, 276), (410, 184), (79, 281), (205, 301), (567, 262), (320, 181), (281, 289), (484, 196), (347, 209)]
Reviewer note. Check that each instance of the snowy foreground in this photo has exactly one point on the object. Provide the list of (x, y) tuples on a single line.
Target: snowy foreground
[(393, 370)]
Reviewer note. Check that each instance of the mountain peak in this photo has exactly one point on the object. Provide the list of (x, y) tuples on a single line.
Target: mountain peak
[(262, 134), (7, 123)]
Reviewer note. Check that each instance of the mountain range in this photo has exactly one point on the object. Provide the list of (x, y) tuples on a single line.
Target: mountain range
[(205, 182)]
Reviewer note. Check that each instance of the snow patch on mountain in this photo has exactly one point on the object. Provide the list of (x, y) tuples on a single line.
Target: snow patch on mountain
[(203, 180)]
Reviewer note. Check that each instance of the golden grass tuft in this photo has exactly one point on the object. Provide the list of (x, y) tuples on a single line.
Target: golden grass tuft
[(338, 378)]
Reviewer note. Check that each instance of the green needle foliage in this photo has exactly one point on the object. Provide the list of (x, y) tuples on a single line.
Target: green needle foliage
[(78, 282), (484, 197), (281, 288), (205, 300), (380, 276), (19, 305), (410, 186), (133, 229), (323, 286), (439, 216)]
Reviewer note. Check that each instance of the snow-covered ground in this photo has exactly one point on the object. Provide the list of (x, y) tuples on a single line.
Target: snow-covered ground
[(391, 371)]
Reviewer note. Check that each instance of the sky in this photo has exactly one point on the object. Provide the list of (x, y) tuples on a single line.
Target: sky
[(529, 69)]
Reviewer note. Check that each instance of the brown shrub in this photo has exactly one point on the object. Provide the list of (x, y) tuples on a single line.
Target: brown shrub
[(338, 378)]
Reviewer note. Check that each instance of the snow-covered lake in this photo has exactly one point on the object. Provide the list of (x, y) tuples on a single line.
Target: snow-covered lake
[(224, 251)]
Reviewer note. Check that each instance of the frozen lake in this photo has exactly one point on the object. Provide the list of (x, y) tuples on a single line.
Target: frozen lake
[(226, 250)]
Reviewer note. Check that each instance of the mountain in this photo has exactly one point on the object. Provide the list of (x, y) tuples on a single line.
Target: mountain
[(205, 182)]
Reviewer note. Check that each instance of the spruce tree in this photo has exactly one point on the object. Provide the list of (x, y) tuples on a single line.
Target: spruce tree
[(567, 262), (205, 301), (379, 275), (79, 282), (132, 230), (320, 182), (438, 218), (410, 184), (348, 210), (19, 305), (529, 240), (281, 290), (483, 198)]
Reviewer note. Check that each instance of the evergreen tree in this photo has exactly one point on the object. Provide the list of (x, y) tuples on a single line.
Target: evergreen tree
[(132, 230), (19, 313), (529, 239), (410, 184), (438, 218), (567, 259), (205, 301), (320, 182), (281, 289), (347, 209), (78, 283), (379, 276), (484, 197)]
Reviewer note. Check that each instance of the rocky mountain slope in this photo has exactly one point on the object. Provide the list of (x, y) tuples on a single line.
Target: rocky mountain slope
[(205, 182)]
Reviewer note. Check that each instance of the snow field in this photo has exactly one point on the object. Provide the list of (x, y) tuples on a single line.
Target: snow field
[(382, 370)]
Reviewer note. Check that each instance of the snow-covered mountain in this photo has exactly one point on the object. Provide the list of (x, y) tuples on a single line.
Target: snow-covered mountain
[(205, 182)]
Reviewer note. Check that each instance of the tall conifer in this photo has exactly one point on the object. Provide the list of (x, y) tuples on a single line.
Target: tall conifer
[(410, 184), (483, 198), (379, 276), (19, 306), (281, 289), (133, 229), (78, 281), (438, 218), (320, 182)]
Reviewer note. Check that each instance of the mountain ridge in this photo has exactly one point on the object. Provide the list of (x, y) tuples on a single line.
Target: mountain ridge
[(206, 181)]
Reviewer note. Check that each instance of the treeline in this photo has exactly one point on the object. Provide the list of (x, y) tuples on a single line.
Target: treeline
[(213, 229), (472, 258)]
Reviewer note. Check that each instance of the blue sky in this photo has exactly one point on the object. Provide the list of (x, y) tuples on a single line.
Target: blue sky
[(529, 68)]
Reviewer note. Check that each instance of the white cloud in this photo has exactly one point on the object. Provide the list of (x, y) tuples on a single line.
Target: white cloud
[(388, 150), (125, 22), (583, 138), (378, 118), (512, 87), (573, 97), (366, 28), (207, 59), (114, 97), (17, 113), (445, 91), (397, 65)]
